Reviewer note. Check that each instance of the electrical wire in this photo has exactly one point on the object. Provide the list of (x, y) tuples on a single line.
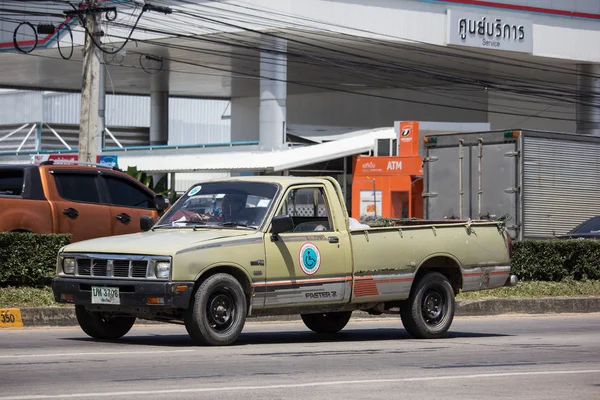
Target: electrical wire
[(16, 43), (68, 29), (180, 36), (91, 35), (152, 58)]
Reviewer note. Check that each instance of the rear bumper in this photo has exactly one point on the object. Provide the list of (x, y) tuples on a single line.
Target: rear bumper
[(512, 280), (131, 293)]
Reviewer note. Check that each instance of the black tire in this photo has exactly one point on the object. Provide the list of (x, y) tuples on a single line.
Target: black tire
[(218, 311), (100, 326), (429, 311), (326, 322)]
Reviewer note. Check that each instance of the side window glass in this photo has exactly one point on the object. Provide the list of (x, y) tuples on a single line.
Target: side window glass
[(78, 187), (126, 194), (308, 208)]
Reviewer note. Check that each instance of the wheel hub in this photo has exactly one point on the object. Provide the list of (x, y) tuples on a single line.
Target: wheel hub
[(220, 311), (432, 306)]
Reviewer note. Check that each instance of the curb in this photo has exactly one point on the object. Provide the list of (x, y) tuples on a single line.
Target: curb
[(65, 316)]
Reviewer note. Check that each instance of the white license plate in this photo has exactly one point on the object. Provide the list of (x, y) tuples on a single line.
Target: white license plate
[(105, 295)]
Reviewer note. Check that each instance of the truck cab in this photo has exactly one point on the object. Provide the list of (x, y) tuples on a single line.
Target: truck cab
[(84, 201)]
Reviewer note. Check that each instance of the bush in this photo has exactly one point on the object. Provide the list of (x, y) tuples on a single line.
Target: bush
[(29, 258), (556, 260)]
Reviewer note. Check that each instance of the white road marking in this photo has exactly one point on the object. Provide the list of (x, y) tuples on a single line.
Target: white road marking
[(297, 385), (103, 353)]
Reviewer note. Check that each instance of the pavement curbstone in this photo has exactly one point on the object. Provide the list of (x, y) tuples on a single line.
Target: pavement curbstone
[(65, 316)]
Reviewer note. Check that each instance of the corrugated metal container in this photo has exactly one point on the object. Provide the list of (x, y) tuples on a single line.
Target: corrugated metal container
[(561, 184), (198, 121), (545, 182), (19, 107)]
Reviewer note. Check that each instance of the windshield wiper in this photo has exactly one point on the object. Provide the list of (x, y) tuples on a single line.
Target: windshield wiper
[(164, 227), (183, 224), (235, 224)]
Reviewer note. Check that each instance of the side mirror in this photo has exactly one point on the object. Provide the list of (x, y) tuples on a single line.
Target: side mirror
[(161, 202), (280, 224), (146, 223)]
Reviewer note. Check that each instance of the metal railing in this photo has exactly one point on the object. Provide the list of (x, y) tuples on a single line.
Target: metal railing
[(72, 149)]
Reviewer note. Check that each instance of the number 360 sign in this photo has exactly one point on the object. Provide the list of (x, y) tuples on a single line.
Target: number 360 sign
[(10, 318)]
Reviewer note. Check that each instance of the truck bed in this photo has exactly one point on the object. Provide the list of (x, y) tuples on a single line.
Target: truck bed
[(386, 259)]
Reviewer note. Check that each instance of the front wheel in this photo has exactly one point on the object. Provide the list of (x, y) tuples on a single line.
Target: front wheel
[(218, 312), (326, 322), (102, 326), (429, 311)]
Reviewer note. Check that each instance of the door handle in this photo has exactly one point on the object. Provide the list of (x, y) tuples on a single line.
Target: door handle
[(70, 212), (124, 218), (333, 239)]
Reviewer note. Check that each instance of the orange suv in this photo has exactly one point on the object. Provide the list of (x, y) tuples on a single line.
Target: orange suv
[(85, 201)]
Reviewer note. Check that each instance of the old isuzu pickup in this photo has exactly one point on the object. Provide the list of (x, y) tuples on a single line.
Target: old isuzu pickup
[(254, 246)]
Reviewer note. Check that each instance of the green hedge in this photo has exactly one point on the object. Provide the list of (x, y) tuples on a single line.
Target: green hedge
[(28, 258), (556, 260)]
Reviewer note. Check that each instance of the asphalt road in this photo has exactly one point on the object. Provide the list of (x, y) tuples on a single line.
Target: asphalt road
[(542, 357)]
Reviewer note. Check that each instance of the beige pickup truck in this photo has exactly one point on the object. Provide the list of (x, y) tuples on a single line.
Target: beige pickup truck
[(254, 246)]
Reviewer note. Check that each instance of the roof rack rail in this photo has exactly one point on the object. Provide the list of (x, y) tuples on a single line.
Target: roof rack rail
[(74, 162)]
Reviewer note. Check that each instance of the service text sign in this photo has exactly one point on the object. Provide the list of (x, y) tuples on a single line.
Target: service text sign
[(488, 31)]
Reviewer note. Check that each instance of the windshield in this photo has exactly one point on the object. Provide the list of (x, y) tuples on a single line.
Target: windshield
[(592, 225), (232, 203)]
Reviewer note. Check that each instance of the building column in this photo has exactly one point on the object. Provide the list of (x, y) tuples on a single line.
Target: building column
[(273, 93), (159, 102), (159, 117), (244, 119), (588, 105)]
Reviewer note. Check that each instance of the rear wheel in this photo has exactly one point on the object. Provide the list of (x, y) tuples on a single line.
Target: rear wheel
[(103, 325), (218, 313), (326, 322), (429, 311)]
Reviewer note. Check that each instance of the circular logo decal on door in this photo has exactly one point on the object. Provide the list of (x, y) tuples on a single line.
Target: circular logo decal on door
[(310, 258)]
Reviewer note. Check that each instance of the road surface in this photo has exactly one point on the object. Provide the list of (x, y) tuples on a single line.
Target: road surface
[(517, 357)]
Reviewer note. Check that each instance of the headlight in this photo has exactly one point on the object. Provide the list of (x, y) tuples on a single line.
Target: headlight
[(162, 269), (68, 266)]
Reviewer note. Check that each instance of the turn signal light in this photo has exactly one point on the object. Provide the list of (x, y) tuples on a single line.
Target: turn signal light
[(66, 297), (155, 300), (182, 289)]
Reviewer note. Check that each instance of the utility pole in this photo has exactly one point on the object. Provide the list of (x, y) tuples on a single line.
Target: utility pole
[(90, 140)]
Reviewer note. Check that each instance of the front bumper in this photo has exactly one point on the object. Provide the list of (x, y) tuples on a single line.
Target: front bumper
[(131, 293)]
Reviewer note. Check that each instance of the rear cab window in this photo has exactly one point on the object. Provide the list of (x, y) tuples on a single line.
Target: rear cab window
[(11, 182), (77, 187)]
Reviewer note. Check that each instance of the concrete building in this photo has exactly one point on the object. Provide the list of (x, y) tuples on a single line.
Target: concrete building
[(293, 70)]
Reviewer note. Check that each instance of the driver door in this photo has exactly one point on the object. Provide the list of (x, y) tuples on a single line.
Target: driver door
[(309, 265)]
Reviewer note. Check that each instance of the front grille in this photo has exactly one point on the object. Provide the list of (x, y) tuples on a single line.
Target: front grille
[(121, 268), (84, 266), (138, 269), (112, 268), (99, 268)]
